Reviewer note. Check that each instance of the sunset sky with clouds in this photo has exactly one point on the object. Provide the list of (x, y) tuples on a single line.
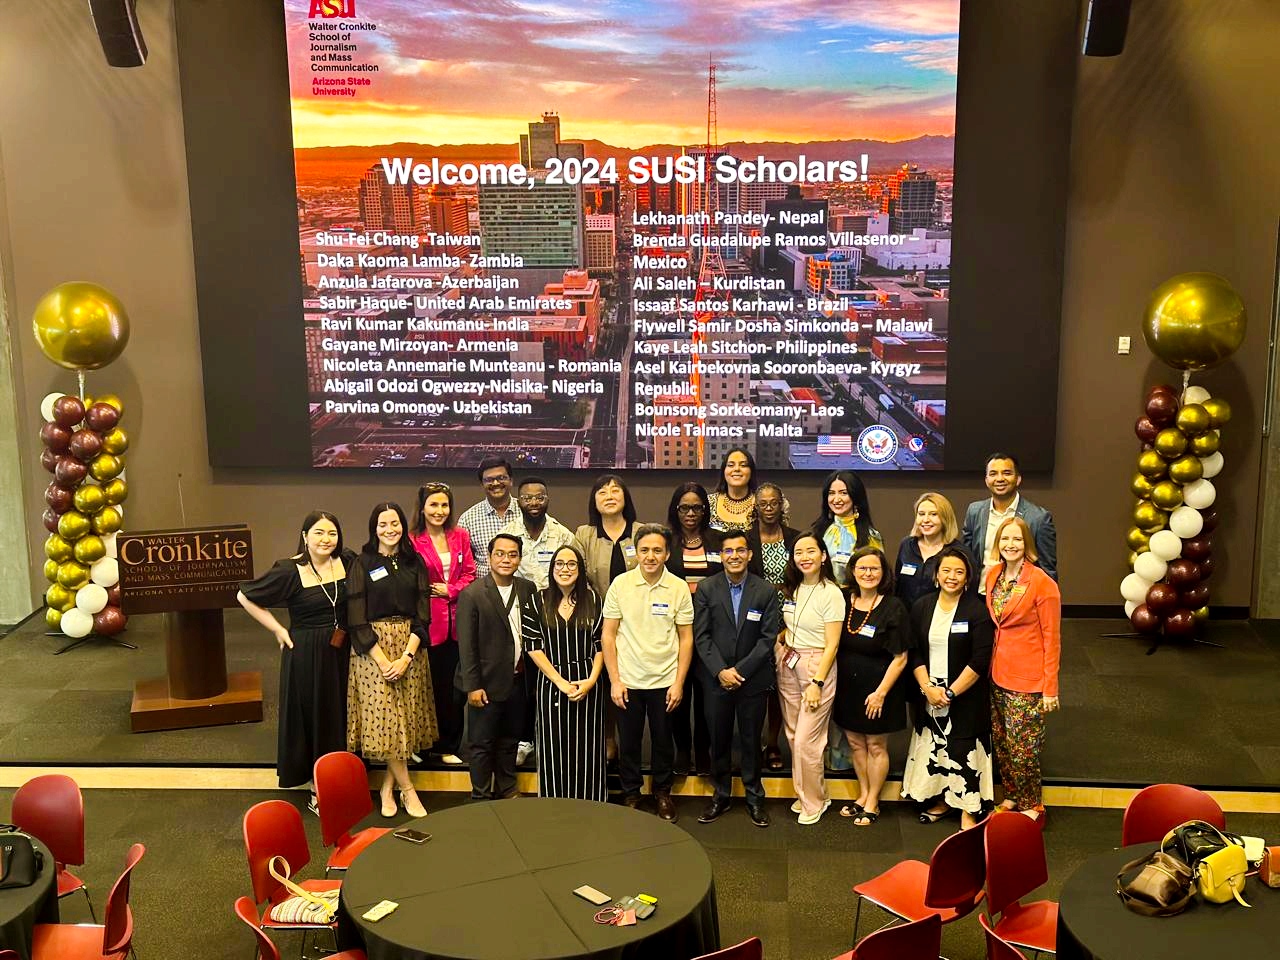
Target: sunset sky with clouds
[(634, 72)]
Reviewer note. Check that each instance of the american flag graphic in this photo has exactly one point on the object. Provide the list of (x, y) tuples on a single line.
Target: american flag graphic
[(834, 446)]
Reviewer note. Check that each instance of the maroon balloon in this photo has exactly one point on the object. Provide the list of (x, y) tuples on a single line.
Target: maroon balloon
[(69, 472), (1181, 624), (109, 621), (54, 437), (58, 498), (1162, 388), (68, 411), (1162, 599), (1196, 597), (1146, 430), (85, 445), (1206, 568), (1183, 574), (1197, 549), (113, 596), (1210, 518), (1144, 620), (102, 417), (50, 520), (1162, 408), (48, 460)]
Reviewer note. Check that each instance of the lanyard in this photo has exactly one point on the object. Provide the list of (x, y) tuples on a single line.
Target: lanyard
[(333, 601)]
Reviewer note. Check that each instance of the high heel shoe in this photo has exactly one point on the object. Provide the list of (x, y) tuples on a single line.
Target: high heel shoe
[(412, 805), (388, 798)]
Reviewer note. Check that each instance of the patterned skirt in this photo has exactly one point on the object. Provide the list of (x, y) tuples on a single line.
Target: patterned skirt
[(390, 720), (955, 769)]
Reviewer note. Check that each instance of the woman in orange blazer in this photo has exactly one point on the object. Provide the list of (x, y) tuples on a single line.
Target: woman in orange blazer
[(1026, 607)]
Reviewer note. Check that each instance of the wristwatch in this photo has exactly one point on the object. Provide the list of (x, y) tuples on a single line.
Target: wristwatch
[(409, 654), (817, 681), (951, 694)]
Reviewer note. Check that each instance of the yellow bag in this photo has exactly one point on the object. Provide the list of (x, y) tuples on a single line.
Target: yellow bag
[(1220, 876)]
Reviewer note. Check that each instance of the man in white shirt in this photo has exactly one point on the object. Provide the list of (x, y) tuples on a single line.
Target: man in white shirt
[(983, 518), (486, 519)]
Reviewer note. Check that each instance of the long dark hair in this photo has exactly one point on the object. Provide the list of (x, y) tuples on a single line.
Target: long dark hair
[(792, 577), (404, 549), (430, 489), (673, 514), (309, 521), (722, 485), (858, 497), (628, 505), (886, 572), (586, 601)]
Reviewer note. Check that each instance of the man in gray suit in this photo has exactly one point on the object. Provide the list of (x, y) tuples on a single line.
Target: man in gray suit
[(984, 517)]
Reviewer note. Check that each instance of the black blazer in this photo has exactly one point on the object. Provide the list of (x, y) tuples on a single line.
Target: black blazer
[(789, 535), (745, 643), (711, 540), (486, 649), (970, 711)]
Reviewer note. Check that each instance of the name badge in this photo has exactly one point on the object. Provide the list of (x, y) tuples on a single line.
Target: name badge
[(629, 550), (788, 606), (753, 615), (842, 555), (960, 626), (545, 554), (660, 609), (1019, 590), (378, 574), (867, 630), (713, 557), (792, 659), (908, 569)]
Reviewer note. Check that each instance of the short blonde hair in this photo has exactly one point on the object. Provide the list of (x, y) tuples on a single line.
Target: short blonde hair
[(946, 513), (1028, 541)]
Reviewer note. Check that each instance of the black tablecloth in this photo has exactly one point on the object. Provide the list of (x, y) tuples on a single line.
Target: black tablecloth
[(496, 883), (21, 908), (1094, 925)]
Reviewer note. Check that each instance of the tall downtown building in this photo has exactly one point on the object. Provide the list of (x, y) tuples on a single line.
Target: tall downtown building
[(544, 226), (908, 199)]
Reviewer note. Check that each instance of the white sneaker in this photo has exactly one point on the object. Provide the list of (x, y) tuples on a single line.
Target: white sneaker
[(796, 808), (452, 759), (523, 752), (808, 819)]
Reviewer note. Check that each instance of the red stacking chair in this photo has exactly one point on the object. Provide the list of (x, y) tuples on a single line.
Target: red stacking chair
[(921, 940), (342, 792), (1015, 867), (89, 941), (51, 808), (998, 949), (9, 955), (949, 885), (274, 828), (750, 949), (1156, 810), (267, 950)]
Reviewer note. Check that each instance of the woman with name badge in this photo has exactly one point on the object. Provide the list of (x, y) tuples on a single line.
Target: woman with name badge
[(313, 650), (845, 521), (733, 503), (813, 609), (1026, 606), (871, 701), (935, 526), (949, 760), (390, 708), (445, 548)]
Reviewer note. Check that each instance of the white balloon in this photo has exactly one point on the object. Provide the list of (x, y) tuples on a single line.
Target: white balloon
[(1195, 395), (46, 405), (105, 572), (109, 541), (76, 623), (1134, 588), (1129, 607), (1212, 465), (91, 598), (1165, 545), (1199, 494), (1150, 567), (1184, 522)]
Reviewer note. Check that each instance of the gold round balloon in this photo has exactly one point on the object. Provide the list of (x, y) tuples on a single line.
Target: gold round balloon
[(57, 549), (1148, 517), (1133, 557), (1151, 465), (1171, 442), (1219, 411), (1193, 419), (73, 525), (80, 326), (115, 490), (104, 466), (53, 618), (1206, 444), (112, 399), (1137, 539), (51, 570), (89, 498), (1141, 487), (90, 548), (72, 574), (1183, 470), (57, 596), (1167, 495), (108, 520), (1202, 614), (1194, 321), (115, 441)]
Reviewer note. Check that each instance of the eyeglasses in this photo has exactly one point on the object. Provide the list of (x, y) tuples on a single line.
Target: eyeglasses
[(734, 551), (491, 481), (565, 565), (506, 554), (532, 498), (861, 569), (689, 508)]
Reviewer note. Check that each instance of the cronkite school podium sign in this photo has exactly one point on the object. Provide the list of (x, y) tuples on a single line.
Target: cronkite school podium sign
[(190, 575)]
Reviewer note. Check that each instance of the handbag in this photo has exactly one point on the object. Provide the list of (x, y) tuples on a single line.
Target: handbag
[(305, 906), (20, 861), (1269, 868), (1160, 887), (1217, 859)]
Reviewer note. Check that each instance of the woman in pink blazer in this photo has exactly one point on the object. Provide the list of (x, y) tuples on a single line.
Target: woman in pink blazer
[(446, 550), (1026, 607)]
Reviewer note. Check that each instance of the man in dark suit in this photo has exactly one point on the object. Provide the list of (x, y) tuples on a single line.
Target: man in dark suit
[(496, 614), (983, 518), (736, 621)]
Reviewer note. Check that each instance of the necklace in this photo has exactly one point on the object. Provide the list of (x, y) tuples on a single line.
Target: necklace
[(693, 542), (865, 616), (333, 601)]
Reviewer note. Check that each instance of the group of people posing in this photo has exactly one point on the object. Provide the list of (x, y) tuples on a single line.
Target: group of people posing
[(724, 617)]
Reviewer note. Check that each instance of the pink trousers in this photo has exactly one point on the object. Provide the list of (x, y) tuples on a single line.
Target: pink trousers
[(806, 729)]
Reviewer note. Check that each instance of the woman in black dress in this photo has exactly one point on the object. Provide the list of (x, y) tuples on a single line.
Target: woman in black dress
[(935, 526), (871, 701), (313, 651), (571, 736)]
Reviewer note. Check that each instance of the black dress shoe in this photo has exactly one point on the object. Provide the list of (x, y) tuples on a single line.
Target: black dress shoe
[(758, 815), (631, 801), (681, 765), (702, 765), (666, 807), (714, 810)]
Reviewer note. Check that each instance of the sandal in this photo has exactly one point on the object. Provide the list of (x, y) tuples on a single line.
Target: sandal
[(866, 818), (851, 810), (773, 759), (929, 816)]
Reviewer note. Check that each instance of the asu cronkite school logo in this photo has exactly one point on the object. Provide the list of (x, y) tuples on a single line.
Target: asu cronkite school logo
[(328, 9), (877, 444)]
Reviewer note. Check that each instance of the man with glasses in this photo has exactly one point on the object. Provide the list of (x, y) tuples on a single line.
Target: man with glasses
[(486, 519), (737, 617)]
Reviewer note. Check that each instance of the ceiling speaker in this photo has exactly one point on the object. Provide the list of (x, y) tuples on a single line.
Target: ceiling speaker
[(119, 32), (1105, 26)]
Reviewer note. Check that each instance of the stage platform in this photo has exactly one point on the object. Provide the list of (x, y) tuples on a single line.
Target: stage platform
[(1189, 714)]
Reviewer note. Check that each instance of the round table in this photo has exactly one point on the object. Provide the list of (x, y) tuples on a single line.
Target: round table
[(1094, 925), (21, 908), (496, 882)]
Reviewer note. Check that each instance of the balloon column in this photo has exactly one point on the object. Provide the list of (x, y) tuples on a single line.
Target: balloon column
[(80, 327), (1193, 322)]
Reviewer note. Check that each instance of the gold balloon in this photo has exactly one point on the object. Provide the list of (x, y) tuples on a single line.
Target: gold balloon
[(1151, 465), (1206, 444), (1148, 517), (1201, 614), (115, 490), (57, 549), (1219, 411), (104, 466), (1171, 442), (1141, 487), (1167, 495), (1193, 420), (110, 398), (73, 525), (51, 570), (90, 498), (90, 548), (72, 574), (1133, 556), (53, 618), (115, 441), (1194, 321), (80, 326), (108, 520), (57, 596), (1183, 470), (1137, 539)]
